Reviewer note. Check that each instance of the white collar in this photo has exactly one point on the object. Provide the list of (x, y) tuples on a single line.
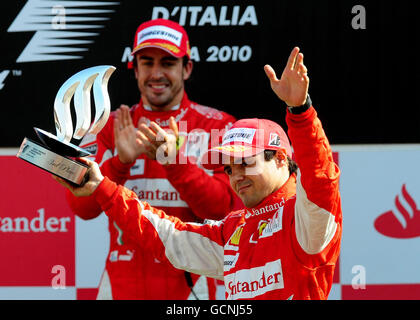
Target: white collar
[(148, 108)]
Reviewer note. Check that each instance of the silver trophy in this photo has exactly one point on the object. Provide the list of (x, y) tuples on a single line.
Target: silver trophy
[(55, 153)]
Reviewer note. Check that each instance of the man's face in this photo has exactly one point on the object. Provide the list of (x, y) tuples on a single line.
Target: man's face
[(253, 178), (160, 78)]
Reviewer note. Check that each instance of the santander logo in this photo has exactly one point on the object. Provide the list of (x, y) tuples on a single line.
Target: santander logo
[(35, 224), (402, 224)]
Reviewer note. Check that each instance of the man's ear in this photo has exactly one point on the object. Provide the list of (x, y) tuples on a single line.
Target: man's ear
[(187, 70), (281, 158)]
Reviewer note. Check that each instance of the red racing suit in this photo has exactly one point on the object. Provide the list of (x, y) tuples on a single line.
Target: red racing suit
[(132, 273), (284, 248)]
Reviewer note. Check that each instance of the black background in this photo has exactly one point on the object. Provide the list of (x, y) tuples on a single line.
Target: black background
[(364, 82)]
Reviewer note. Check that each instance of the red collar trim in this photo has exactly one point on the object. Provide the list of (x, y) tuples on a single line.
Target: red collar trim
[(275, 200)]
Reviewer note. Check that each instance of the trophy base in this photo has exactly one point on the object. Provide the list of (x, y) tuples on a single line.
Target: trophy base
[(61, 166)]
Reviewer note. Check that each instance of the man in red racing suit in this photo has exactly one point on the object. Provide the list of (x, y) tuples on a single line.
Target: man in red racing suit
[(130, 272), (283, 245)]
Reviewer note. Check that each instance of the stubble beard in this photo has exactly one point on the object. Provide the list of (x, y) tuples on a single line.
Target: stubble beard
[(160, 101)]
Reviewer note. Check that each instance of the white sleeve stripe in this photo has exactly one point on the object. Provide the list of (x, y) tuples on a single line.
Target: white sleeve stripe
[(315, 226), (187, 250), (107, 155)]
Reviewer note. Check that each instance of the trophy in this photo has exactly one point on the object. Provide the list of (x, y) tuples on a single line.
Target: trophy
[(55, 153)]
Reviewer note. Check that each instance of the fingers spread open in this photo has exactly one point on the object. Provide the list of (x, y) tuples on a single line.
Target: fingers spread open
[(148, 146), (298, 61), (142, 120), (173, 126), (271, 74), (160, 133), (126, 117), (117, 124), (292, 58), (302, 69), (150, 134)]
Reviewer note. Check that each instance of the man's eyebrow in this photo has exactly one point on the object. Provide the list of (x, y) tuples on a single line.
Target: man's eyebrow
[(145, 58), (170, 58)]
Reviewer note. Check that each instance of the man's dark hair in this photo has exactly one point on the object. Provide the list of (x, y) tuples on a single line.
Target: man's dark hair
[(291, 164)]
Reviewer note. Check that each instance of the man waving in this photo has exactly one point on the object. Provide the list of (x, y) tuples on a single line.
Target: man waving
[(285, 243)]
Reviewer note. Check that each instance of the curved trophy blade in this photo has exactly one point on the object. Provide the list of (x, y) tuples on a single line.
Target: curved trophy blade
[(101, 99), (62, 115), (81, 102), (79, 85)]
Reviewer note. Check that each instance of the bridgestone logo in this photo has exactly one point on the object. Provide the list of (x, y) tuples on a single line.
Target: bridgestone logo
[(250, 283), (239, 135), (160, 32)]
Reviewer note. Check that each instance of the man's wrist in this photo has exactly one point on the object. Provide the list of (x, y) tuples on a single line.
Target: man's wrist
[(95, 183), (104, 191), (302, 108), (120, 166), (124, 161)]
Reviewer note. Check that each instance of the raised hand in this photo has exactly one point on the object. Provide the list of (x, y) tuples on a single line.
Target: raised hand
[(293, 85), (130, 143)]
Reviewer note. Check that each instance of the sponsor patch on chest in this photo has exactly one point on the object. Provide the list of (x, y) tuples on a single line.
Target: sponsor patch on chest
[(266, 228), (230, 262), (272, 225), (157, 192), (250, 283), (233, 243)]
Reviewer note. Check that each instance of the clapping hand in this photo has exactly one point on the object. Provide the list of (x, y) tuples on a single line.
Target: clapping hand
[(163, 142), (130, 142)]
